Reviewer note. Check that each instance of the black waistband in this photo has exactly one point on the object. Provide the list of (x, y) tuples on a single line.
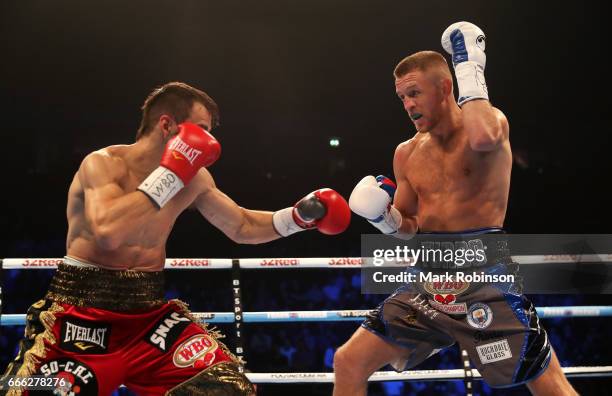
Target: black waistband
[(106, 289), (486, 246), (470, 232)]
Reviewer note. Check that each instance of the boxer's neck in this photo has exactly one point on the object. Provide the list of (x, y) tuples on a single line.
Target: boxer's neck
[(146, 153), (448, 126)]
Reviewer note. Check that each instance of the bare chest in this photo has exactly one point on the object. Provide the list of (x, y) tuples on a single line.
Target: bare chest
[(433, 171)]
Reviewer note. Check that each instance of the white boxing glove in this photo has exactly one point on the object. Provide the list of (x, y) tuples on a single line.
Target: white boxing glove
[(372, 199), (466, 44)]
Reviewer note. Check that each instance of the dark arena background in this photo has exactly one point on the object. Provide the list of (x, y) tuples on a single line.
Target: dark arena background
[(290, 77)]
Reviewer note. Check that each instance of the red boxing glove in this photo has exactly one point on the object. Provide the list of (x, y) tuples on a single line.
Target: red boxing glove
[(184, 155), (323, 209), (191, 149)]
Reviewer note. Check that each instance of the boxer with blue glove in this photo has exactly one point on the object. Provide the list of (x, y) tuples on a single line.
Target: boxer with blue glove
[(372, 199), (453, 177)]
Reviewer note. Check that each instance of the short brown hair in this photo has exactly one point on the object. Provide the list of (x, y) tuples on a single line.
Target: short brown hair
[(420, 61), (175, 99)]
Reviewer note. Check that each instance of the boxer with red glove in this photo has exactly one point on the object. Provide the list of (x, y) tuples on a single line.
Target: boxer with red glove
[(191, 149), (117, 242), (324, 209)]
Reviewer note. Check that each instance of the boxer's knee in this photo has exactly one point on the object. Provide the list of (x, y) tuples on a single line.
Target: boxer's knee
[(223, 379), (347, 367)]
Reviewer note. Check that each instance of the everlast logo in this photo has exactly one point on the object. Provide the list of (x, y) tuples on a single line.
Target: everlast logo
[(189, 152), (84, 336), (279, 262), (167, 330), (345, 261), (189, 263)]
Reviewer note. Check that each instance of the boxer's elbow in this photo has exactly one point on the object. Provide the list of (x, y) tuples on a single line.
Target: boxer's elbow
[(486, 139)]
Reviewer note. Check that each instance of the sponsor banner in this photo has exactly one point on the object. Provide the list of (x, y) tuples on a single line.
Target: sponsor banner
[(353, 314), (345, 261), (197, 263), (297, 314)]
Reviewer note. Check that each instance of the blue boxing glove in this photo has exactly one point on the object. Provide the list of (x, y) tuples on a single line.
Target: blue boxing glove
[(372, 198), (465, 42)]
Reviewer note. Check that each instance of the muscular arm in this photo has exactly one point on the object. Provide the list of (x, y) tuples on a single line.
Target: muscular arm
[(486, 126), (239, 224), (405, 199), (112, 214)]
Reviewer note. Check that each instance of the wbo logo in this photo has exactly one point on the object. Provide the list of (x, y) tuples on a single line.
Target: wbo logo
[(197, 351)]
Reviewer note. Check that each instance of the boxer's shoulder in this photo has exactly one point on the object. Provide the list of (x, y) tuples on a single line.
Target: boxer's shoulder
[(109, 162), (405, 149)]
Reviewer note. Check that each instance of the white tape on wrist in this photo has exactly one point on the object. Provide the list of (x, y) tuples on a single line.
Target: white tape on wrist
[(283, 222), (471, 82), (389, 222), (161, 185)]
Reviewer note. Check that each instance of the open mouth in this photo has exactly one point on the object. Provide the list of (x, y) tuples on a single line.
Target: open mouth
[(415, 116)]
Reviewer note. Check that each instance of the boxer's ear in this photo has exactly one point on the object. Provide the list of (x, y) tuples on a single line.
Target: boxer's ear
[(167, 126), (447, 86)]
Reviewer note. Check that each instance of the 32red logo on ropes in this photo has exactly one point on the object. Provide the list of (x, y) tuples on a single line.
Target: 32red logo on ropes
[(42, 262), (357, 261), (197, 351), (190, 263), (279, 262)]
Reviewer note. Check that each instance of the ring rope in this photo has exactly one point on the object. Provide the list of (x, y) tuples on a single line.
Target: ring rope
[(350, 315), (299, 262), (412, 375)]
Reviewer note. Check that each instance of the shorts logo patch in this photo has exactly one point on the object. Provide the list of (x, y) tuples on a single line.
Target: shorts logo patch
[(167, 330), (494, 352), (84, 336), (460, 308), (479, 316), (78, 378), (480, 336), (446, 287), (445, 294), (197, 351)]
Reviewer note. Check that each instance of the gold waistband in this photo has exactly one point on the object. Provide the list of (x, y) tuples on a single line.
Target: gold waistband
[(106, 289)]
